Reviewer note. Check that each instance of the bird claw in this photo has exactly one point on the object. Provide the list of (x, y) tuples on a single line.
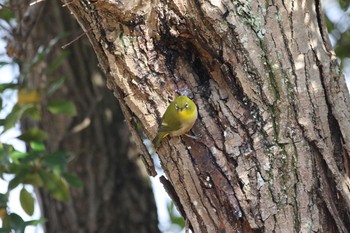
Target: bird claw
[(192, 136)]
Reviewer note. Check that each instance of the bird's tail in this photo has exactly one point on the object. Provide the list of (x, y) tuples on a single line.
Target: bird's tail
[(159, 138)]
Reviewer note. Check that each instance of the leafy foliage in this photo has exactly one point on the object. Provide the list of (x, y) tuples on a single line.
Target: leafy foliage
[(63, 107), (344, 4), (37, 166), (337, 17), (27, 201), (175, 217)]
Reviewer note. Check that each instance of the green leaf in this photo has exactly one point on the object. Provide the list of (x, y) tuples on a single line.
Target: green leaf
[(13, 223), (35, 222), (344, 4), (16, 155), (14, 116), (33, 179), (37, 146), (33, 134), (5, 86), (14, 182), (175, 217), (34, 112), (5, 230), (6, 225), (6, 14), (4, 63), (73, 180), (17, 223), (17, 112), (329, 24), (3, 200), (57, 158), (61, 193), (55, 186), (27, 201), (5, 151), (55, 84), (32, 157), (62, 107), (20, 169)]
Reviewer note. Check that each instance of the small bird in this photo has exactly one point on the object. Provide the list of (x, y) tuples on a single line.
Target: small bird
[(178, 119)]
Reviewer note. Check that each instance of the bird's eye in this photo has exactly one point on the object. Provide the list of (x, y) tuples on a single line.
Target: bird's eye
[(176, 107), (186, 105)]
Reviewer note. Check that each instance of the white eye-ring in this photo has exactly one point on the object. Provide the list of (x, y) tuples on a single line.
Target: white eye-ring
[(186, 105), (176, 107)]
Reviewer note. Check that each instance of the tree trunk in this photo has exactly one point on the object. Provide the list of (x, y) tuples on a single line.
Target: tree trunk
[(273, 127), (117, 195)]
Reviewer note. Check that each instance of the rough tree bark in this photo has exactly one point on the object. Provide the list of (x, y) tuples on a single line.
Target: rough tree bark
[(116, 196), (273, 127)]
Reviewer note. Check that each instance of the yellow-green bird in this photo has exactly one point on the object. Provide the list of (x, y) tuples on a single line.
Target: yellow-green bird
[(178, 119)]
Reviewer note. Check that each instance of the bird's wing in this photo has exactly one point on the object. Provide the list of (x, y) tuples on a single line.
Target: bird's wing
[(170, 122), (170, 127)]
